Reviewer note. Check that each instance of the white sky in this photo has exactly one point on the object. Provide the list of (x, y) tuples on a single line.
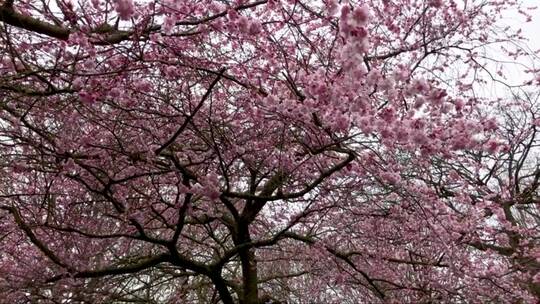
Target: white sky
[(513, 71), (531, 30)]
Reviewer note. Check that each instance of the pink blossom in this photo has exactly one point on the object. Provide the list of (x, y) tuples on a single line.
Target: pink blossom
[(125, 8), (436, 3), (142, 85), (419, 86), (387, 84), (168, 24), (388, 114), (459, 104), (360, 15), (387, 133), (366, 124), (437, 96), (402, 73), (419, 138), (78, 83), (255, 27), (373, 77), (492, 146), (232, 15), (341, 122), (86, 97), (391, 177), (402, 134), (138, 153), (243, 24), (419, 102), (96, 3), (332, 7), (345, 11), (115, 92), (460, 142)]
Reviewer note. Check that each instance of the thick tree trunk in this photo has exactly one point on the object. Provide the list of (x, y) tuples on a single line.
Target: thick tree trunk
[(222, 289), (249, 274), (249, 268)]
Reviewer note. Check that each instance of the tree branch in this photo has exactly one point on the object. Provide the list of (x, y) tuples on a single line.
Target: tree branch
[(11, 17), (33, 238), (190, 116)]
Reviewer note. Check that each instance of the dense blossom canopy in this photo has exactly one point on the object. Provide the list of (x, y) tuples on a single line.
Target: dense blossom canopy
[(264, 151)]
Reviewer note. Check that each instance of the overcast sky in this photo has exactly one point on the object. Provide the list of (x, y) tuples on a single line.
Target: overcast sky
[(513, 71)]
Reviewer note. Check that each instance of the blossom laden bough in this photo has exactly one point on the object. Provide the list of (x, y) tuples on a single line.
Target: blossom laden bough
[(263, 151)]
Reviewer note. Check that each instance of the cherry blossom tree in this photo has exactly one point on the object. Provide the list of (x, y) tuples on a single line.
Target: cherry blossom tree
[(263, 152)]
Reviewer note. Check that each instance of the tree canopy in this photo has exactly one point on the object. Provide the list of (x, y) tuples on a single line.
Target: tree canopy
[(266, 151)]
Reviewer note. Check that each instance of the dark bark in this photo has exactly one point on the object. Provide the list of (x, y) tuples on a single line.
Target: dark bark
[(221, 287), (249, 268), (11, 17)]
